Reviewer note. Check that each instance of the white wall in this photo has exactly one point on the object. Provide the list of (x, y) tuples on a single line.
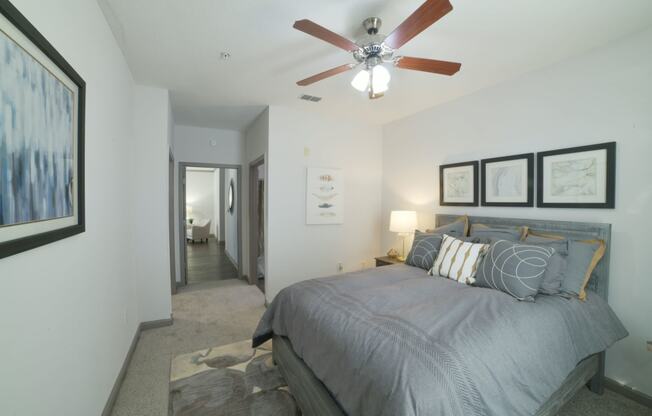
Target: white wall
[(256, 146), (231, 218), (603, 96), (69, 310), (202, 145), (198, 144), (200, 194), (296, 251), (150, 152)]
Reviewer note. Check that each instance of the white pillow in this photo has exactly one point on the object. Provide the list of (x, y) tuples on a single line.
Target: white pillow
[(458, 260)]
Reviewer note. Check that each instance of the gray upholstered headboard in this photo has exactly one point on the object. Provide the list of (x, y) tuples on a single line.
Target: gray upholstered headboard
[(599, 282)]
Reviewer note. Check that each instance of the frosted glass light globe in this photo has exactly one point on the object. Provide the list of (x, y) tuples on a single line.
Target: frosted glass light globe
[(361, 81), (380, 79)]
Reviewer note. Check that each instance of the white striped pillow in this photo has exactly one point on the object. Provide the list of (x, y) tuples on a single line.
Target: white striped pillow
[(458, 260)]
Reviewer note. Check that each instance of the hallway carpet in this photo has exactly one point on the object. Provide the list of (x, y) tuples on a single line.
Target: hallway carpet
[(205, 314), (223, 312)]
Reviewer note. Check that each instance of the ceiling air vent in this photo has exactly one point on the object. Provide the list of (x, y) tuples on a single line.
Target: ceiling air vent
[(310, 98)]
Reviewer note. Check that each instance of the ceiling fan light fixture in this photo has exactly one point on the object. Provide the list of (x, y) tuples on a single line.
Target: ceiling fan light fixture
[(374, 49), (361, 81)]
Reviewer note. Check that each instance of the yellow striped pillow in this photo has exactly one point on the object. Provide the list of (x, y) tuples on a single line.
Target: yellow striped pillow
[(458, 260)]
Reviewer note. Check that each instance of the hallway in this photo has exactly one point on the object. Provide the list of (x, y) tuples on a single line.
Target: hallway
[(208, 262)]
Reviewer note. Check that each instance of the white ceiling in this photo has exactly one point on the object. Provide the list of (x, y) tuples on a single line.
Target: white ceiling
[(176, 44)]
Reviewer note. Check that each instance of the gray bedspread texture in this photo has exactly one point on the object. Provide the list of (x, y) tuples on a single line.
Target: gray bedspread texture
[(395, 341)]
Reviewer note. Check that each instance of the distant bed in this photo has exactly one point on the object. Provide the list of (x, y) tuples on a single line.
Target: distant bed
[(394, 341)]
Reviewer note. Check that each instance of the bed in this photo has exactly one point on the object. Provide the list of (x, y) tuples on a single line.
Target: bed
[(391, 340)]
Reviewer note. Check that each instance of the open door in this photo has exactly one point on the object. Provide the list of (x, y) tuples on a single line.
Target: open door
[(256, 213)]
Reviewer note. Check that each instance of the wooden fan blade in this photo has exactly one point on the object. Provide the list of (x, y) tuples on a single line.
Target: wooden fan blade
[(325, 74), (428, 65), (320, 32), (420, 20)]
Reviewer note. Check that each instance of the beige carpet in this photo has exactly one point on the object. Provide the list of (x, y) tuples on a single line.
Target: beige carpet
[(228, 311), (204, 315)]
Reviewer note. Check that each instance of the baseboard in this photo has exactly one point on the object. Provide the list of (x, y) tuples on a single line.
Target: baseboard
[(143, 326), (630, 393), (232, 260)]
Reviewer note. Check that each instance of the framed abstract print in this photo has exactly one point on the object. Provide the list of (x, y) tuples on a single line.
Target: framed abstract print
[(577, 177), (41, 139), (508, 181), (458, 184)]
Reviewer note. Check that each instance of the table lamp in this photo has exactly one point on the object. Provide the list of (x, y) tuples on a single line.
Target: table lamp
[(403, 223)]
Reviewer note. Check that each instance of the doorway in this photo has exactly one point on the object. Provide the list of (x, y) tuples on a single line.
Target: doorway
[(210, 224), (257, 222), (173, 267)]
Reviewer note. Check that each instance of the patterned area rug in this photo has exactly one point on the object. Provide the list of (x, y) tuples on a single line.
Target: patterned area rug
[(233, 380)]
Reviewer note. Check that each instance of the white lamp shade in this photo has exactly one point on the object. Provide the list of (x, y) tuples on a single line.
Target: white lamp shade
[(403, 221)]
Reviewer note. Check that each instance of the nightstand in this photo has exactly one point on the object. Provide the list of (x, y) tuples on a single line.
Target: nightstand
[(386, 261)]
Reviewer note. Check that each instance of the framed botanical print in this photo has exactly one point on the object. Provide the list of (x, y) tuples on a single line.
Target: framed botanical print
[(458, 184), (577, 177), (508, 181), (41, 139)]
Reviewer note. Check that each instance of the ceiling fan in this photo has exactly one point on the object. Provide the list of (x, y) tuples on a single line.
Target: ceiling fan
[(374, 49)]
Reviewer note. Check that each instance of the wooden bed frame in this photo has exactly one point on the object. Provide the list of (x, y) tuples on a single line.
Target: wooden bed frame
[(314, 398)]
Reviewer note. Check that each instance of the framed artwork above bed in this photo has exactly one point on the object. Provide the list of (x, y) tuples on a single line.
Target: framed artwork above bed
[(577, 177), (41, 139), (508, 181), (458, 184)]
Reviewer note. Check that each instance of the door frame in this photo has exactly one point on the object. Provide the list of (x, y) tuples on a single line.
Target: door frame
[(183, 253), (253, 218), (171, 221)]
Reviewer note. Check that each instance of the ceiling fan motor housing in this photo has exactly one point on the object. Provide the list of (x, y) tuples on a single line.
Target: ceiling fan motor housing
[(372, 49)]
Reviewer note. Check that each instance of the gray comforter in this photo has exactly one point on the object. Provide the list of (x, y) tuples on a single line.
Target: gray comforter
[(394, 341)]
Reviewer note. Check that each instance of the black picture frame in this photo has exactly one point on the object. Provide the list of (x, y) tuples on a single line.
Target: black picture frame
[(474, 164), (610, 179), (529, 157), (11, 247)]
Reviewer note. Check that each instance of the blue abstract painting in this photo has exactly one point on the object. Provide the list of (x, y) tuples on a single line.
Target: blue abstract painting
[(36, 140)]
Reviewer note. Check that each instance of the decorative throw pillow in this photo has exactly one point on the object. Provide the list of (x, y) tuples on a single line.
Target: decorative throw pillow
[(424, 250), (484, 234), (514, 268), (459, 228), (583, 257), (458, 259), (556, 270)]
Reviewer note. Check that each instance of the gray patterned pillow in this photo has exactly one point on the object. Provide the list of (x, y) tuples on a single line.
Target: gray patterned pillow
[(513, 268), (424, 250)]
